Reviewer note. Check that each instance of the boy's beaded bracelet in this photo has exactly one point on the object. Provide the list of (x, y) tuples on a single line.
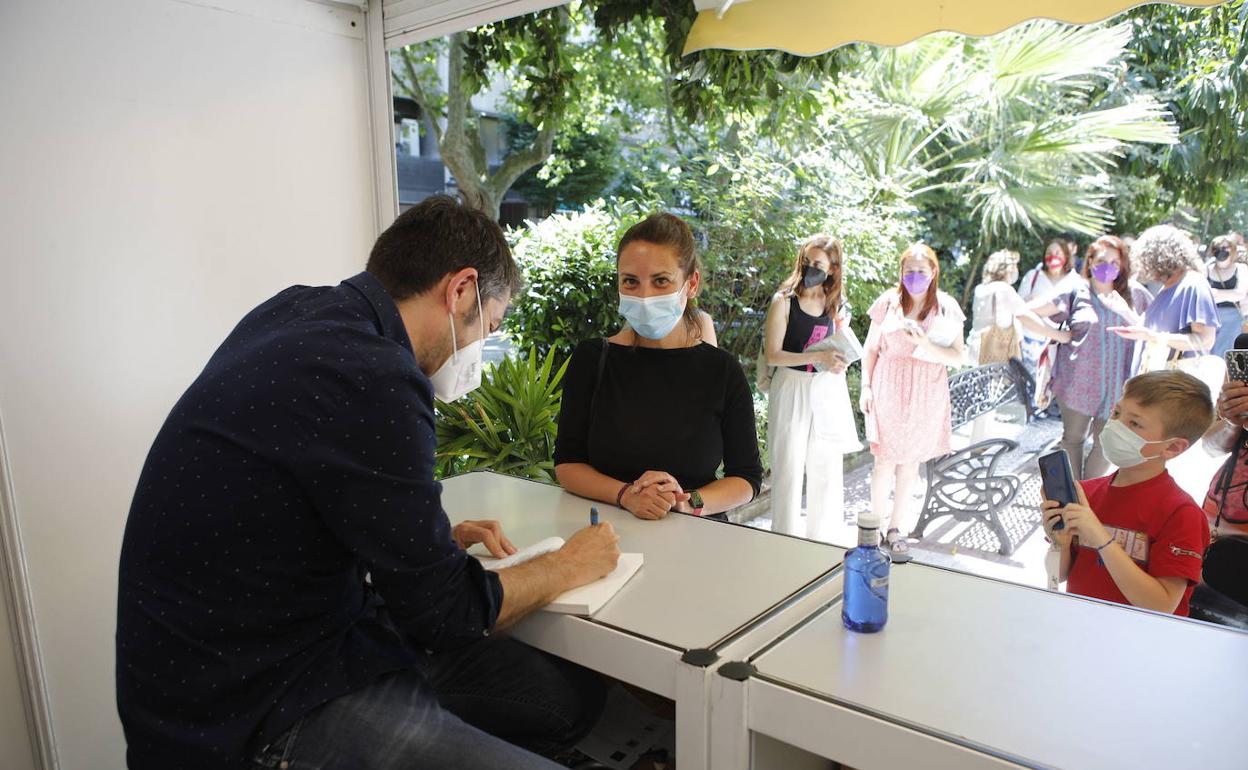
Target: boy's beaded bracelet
[(619, 496), (1099, 559)]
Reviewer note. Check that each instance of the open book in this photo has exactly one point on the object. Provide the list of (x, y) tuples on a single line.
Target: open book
[(587, 599)]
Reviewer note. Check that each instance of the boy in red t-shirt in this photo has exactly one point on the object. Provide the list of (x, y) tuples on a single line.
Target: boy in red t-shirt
[(1135, 537)]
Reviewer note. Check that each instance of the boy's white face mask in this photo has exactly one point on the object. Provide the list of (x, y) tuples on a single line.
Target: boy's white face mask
[(1122, 446)]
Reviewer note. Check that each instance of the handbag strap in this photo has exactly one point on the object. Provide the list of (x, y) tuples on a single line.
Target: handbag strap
[(1070, 310), (602, 365), (1225, 477)]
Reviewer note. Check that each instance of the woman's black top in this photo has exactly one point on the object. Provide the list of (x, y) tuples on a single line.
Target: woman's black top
[(1228, 284), (803, 331), (684, 411)]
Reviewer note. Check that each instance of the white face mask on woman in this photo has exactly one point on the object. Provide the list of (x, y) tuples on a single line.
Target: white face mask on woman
[(461, 374), (654, 317), (1122, 446)]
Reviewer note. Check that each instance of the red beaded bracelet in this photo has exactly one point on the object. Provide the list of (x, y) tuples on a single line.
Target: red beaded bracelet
[(619, 497)]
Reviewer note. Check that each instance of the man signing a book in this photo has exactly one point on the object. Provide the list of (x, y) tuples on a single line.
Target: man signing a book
[(292, 593)]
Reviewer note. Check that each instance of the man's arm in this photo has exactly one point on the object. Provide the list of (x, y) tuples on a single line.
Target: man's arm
[(589, 555), (368, 471)]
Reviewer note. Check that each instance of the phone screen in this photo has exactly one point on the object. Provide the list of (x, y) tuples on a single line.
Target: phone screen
[(1237, 365), (1057, 478)]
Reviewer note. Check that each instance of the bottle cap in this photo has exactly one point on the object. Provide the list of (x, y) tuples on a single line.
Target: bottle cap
[(868, 520)]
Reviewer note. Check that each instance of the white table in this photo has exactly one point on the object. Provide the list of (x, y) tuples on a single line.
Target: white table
[(976, 673), (707, 590)]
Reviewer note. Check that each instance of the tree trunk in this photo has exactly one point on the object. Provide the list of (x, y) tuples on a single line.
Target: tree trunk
[(460, 143)]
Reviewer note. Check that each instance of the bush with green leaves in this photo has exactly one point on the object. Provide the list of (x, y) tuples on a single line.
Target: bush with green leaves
[(755, 208), (568, 263), (508, 424)]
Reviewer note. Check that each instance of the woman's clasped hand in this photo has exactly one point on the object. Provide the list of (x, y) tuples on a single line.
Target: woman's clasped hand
[(653, 495)]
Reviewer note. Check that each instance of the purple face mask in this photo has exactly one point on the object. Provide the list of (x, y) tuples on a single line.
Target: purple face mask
[(1105, 272), (916, 283)]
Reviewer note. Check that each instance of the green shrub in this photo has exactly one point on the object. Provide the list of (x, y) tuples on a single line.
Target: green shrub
[(754, 213), (508, 424), (568, 262)]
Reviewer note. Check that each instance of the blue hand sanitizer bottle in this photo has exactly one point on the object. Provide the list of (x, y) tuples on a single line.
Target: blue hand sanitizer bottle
[(865, 606)]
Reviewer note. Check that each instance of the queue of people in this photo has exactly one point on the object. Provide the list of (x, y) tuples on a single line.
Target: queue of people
[(313, 599)]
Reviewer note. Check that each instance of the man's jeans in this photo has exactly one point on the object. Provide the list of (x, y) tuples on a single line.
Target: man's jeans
[(462, 709)]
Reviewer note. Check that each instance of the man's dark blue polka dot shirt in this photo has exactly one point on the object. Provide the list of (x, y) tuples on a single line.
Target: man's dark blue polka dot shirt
[(299, 462)]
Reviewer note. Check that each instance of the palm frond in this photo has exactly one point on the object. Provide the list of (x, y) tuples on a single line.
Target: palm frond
[(1003, 206), (1047, 52)]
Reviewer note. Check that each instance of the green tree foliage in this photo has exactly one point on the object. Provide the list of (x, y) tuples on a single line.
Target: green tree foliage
[(1005, 122), (570, 292), (582, 168), (754, 207), (703, 85), (1196, 61), (557, 73), (749, 208)]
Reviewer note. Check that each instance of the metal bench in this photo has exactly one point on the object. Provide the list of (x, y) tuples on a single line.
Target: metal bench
[(966, 484)]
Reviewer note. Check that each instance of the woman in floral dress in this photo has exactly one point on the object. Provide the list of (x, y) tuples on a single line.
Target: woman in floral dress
[(915, 335)]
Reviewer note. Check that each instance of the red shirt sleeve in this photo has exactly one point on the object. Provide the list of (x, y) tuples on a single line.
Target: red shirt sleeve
[(1179, 547)]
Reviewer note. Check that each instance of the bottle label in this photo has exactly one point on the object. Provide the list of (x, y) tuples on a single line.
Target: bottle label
[(879, 582)]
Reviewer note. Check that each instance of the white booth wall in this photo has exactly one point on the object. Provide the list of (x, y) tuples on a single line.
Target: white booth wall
[(165, 165)]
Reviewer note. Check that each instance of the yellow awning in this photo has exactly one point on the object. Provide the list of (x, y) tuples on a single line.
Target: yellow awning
[(809, 27)]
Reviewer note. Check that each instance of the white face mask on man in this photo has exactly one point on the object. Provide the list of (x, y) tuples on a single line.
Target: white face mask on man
[(461, 374)]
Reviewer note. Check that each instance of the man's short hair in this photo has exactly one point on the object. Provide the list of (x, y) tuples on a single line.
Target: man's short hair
[(437, 236), (1187, 407)]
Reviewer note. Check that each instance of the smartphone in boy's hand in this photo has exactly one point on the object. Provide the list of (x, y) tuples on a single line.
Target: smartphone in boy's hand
[(1058, 481)]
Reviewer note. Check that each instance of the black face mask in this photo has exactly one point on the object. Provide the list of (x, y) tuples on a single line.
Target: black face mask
[(1221, 254), (813, 276)]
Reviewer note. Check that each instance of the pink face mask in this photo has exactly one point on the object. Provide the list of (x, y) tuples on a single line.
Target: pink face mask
[(1054, 261)]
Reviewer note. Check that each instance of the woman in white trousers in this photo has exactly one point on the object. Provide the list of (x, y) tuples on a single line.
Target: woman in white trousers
[(810, 422)]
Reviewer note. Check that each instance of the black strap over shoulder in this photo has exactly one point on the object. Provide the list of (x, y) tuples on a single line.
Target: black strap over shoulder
[(602, 365), (1225, 478)]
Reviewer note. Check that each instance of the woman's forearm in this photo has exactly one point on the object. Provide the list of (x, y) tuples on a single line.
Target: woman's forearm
[(868, 366), (952, 355), (1196, 340), (1228, 295), (1220, 437), (1035, 324), (582, 479), (725, 494), (787, 358)]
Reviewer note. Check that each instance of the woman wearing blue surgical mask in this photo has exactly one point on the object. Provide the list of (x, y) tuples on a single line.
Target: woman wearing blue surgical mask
[(650, 414)]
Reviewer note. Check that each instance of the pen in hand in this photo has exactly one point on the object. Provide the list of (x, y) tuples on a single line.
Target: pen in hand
[(593, 516)]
